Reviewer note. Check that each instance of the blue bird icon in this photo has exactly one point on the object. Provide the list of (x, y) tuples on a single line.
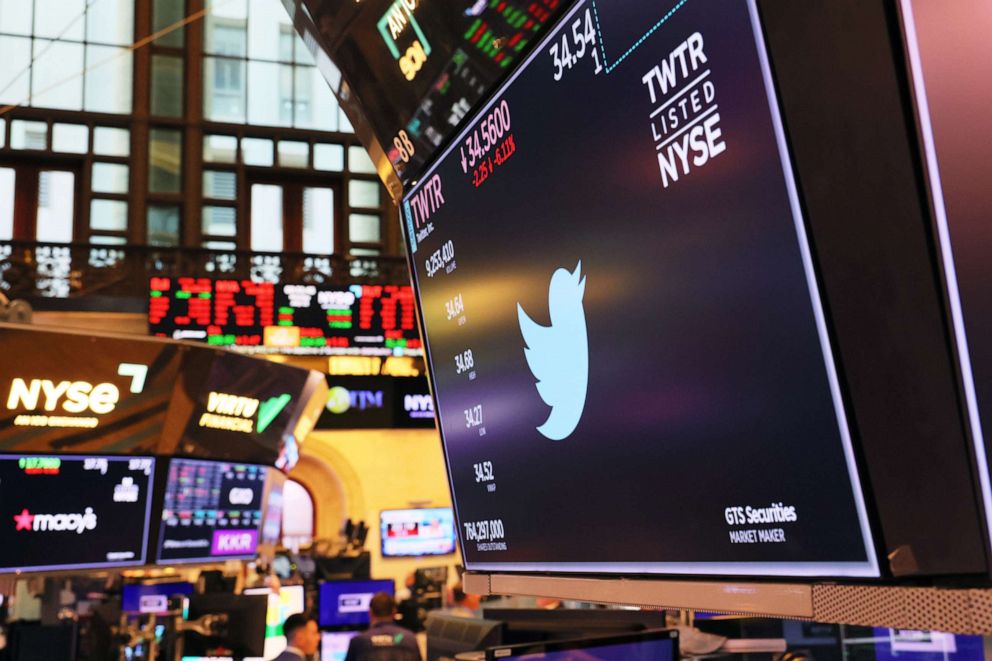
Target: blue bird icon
[(558, 355)]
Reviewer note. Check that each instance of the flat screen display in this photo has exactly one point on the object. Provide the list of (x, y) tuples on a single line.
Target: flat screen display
[(648, 646), (238, 408), (64, 392), (346, 603), (377, 402), (334, 645), (949, 51), (911, 645), (417, 532), (270, 318), (154, 598), (288, 600), (621, 314), (212, 511), (69, 512)]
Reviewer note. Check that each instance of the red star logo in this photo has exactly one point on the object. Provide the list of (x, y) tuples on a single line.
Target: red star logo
[(24, 520)]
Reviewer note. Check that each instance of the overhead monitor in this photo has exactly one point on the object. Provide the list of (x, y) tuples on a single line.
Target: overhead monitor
[(657, 645), (73, 512), (345, 604), (377, 402), (417, 532), (622, 317), (212, 511), (235, 407), (285, 318), (146, 598), (78, 392), (950, 61)]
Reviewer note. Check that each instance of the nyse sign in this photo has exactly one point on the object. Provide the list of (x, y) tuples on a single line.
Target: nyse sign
[(43, 397)]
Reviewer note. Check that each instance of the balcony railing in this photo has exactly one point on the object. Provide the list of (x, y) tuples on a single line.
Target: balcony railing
[(45, 272)]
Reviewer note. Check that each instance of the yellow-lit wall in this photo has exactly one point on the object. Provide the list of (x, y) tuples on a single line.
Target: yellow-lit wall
[(359, 473)]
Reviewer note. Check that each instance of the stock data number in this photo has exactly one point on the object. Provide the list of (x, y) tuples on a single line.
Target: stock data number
[(473, 416), (464, 362), (482, 531), (486, 136), (582, 40), (484, 471), (441, 259), (454, 307)]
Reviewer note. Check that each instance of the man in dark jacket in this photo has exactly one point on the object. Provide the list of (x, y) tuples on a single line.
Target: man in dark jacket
[(385, 640), (302, 638)]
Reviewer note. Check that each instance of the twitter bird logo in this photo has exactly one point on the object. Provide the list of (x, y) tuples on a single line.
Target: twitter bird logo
[(558, 355)]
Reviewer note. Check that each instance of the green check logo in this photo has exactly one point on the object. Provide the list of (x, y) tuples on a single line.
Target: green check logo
[(269, 409)]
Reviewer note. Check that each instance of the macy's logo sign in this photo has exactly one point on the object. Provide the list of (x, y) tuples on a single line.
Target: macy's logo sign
[(79, 523)]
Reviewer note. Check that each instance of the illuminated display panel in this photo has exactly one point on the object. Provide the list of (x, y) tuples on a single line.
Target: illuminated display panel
[(212, 511), (262, 317), (417, 532), (71, 512), (414, 70), (622, 320), (949, 52), (69, 392), (286, 601), (346, 603), (237, 408)]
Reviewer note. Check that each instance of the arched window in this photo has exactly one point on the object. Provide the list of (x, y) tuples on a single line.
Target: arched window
[(297, 515)]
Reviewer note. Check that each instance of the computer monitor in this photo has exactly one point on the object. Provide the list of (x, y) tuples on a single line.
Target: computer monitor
[(523, 625), (212, 511), (245, 631), (448, 635), (147, 598), (288, 600), (73, 511), (346, 603), (417, 532), (334, 645), (658, 645)]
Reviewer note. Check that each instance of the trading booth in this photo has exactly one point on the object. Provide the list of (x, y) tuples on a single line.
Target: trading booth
[(701, 291)]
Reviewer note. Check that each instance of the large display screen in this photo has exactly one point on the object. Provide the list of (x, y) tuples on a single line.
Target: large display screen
[(237, 407), (263, 317), (212, 511), (73, 392), (377, 402), (417, 532), (621, 314), (949, 52), (69, 512), (408, 72), (346, 603)]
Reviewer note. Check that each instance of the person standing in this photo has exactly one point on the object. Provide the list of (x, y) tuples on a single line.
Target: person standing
[(302, 638), (385, 640)]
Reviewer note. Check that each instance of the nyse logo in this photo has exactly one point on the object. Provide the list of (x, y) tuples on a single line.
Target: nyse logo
[(71, 397), (558, 355), (418, 406)]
